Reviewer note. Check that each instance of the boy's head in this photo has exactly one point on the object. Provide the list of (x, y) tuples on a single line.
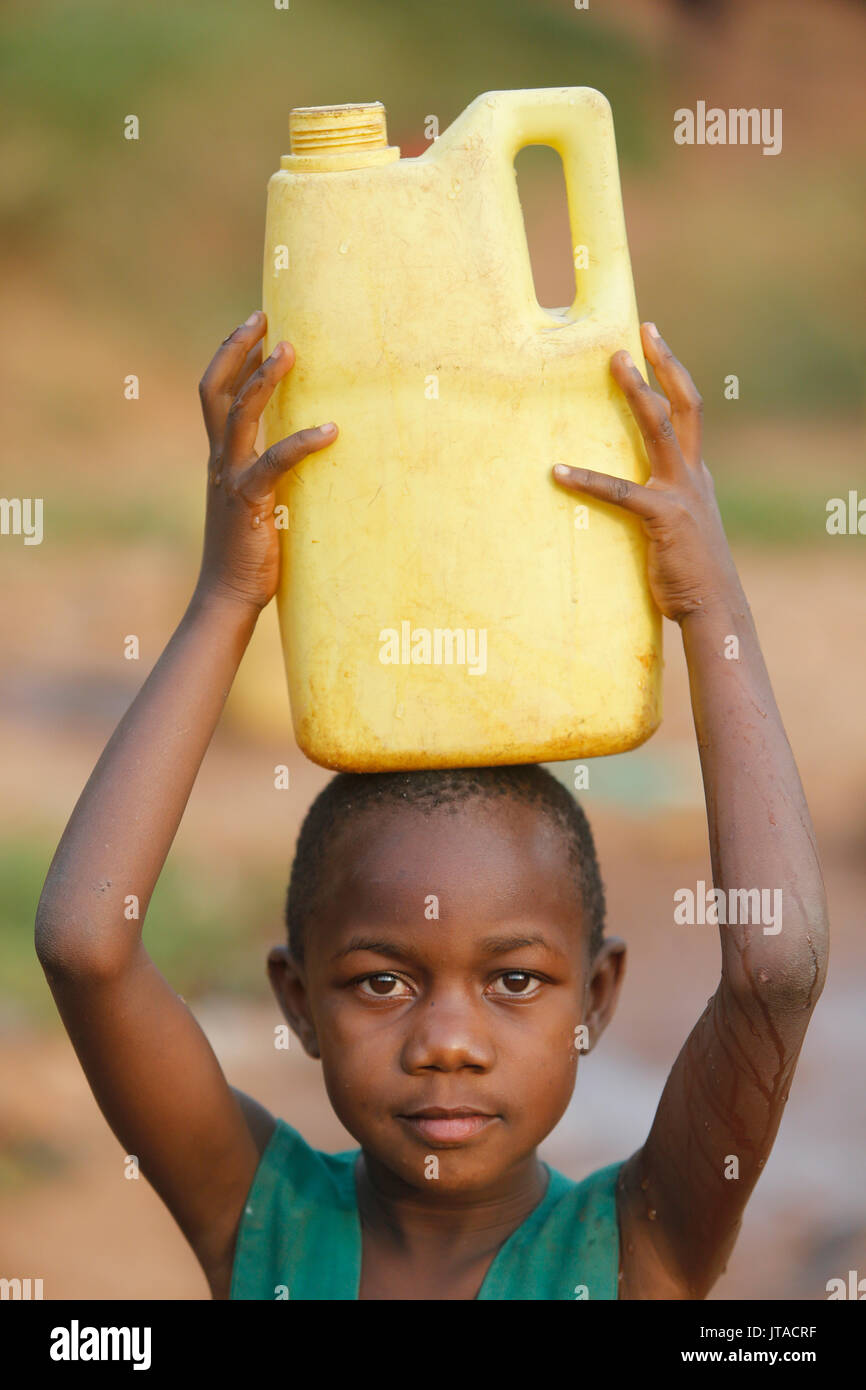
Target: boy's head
[(446, 951)]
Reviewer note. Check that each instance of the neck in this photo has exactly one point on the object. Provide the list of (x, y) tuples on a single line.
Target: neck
[(468, 1224)]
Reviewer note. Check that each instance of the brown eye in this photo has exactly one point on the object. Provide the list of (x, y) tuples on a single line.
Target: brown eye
[(382, 986), (517, 982)]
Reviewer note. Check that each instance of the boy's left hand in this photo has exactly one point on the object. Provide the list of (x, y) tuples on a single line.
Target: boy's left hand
[(688, 563)]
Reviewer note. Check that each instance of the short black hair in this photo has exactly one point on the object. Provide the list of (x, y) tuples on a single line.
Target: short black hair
[(350, 793)]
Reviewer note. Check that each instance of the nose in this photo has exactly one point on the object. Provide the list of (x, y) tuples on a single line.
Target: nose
[(446, 1032)]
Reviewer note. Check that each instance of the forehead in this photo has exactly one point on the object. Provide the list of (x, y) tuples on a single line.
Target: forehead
[(485, 861)]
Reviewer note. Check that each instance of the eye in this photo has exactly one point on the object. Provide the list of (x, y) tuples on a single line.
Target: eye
[(516, 984), (381, 986)]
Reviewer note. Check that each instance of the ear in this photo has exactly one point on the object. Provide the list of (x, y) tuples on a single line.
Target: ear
[(606, 974), (288, 984)]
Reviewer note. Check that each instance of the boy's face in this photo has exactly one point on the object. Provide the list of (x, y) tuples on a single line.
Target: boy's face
[(448, 971)]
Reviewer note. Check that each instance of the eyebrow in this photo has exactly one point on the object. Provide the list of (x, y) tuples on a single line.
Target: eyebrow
[(374, 944), (490, 946), (498, 945)]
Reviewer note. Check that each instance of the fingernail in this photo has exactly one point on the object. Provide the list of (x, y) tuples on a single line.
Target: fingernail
[(253, 318), (561, 470), (653, 331), (627, 358), (278, 351), (327, 429)]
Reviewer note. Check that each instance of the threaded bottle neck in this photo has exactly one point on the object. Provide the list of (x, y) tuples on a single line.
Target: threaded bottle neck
[(339, 137)]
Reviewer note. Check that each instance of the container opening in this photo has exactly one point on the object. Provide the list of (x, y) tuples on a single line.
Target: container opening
[(543, 199)]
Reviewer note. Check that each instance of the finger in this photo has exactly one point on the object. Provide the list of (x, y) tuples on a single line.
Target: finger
[(685, 400), (242, 420), (282, 456), (652, 414), (224, 366), (634, 497), (251, 363), (218, 408)]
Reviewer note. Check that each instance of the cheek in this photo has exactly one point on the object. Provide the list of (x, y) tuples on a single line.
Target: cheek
[(544, 1061), (359, 1082), (548, 1087), (358, 1058)]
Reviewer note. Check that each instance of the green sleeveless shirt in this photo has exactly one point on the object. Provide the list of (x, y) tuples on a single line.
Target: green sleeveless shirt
[(300, 1233)]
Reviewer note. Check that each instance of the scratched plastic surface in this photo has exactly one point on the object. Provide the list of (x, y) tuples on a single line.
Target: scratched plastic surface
[(442, 601)]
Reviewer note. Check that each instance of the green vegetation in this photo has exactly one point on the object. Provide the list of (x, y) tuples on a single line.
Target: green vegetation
[(772, 515), (165, 233), (75, 516)]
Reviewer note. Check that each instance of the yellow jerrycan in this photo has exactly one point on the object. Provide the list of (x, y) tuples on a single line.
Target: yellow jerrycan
[(442, 601)]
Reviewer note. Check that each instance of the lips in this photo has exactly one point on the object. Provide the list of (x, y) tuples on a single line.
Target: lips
[(442, 1126)]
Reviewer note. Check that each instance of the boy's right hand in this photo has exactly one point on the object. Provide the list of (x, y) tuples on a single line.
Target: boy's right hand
[(241, 557)]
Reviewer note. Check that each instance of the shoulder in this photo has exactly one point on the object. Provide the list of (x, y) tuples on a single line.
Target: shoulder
[(597, 1191), (262, 1126), (301, 1202), (295, 1188), (291, 1171)]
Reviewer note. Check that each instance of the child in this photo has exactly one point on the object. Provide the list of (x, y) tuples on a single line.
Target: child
[(449, 1044)]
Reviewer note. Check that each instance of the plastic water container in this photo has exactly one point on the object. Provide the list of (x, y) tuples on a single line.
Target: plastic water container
[(442, 601)]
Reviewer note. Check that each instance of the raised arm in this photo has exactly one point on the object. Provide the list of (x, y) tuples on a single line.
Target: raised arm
[(682, 1195), (151, 1068)]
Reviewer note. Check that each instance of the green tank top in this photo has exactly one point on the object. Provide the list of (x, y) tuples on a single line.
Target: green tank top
[(300, 1233)]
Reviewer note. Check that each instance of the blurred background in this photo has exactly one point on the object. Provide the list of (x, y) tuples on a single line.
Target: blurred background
[(139, 257)]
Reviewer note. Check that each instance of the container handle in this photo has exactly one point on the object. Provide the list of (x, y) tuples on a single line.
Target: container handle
[(578, 123)]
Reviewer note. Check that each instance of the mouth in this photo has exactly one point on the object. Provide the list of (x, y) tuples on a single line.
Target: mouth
[(437, 1125)]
